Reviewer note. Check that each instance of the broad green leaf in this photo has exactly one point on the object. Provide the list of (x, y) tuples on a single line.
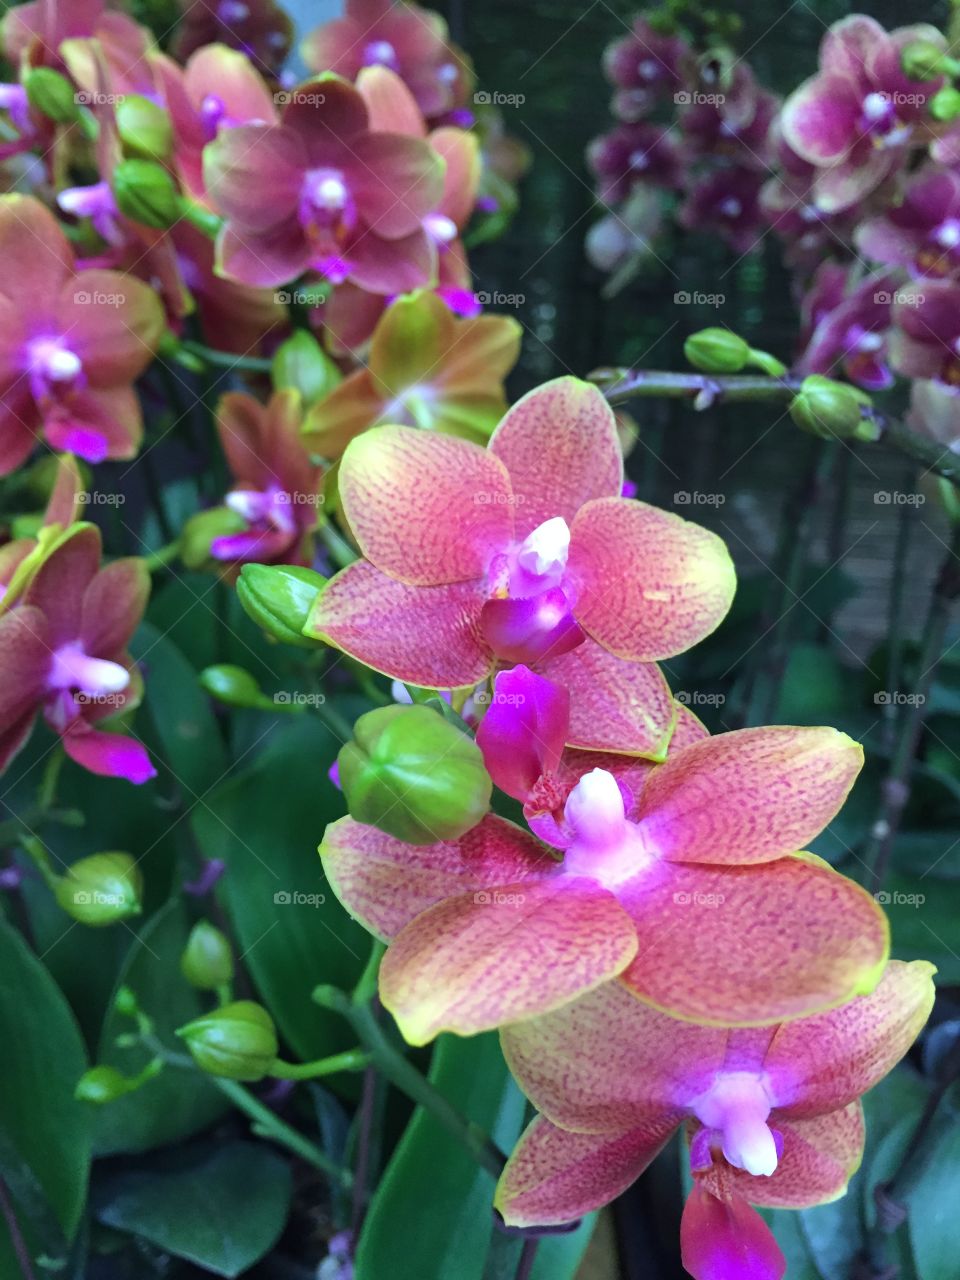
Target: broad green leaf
[(431, 1177), (45, 1134), (266, 825), (923, 915), (222, 1208), (934, 1197), (176, 1103), (559, 1257)]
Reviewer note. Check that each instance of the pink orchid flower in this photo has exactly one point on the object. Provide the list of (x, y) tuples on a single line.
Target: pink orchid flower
[(277, 490), (63, 652), (644, 67), (925, 342), (848, 327), (922, 232), (409, 40), (772, 1115), (321, 191), (664, 869), (259, 29), (856, 117), (631, 154), (523, 552), (68, 360), (351, 315), (727, 202)]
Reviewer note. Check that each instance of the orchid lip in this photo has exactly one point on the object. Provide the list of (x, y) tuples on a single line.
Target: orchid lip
[(271, 506), (380, 53), (441, 229), (738, 1105), (52, 366), (605, 846), (73, 668), (947, 234), (544, 551)]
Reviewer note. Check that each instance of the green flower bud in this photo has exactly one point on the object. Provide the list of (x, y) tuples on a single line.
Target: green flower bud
[(279, 599), (234, 686), (832, 409), (207, 960), (147, 193), (52, 95), (237, 1041), (302, 363), (414, 775), (922, 60), (945, 104), (199, 532), (101, 889), (717, 351), (102, 1084), (145, 129)]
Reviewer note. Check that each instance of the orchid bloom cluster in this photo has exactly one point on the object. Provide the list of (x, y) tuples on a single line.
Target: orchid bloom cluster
[(856, 172), (655, 944)]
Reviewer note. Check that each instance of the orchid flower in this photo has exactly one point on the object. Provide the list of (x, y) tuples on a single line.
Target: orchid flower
[(727, 202), (855, 118), (63, 653), (260, 29), (772, 1115), (319, 190), (425, 368), (922, 232), (644, 67), (278, 489), (694, 859), (925, 341), (20, 557), (68, 360), (848, 327), (523, 552), (406, 39), (632, 154)]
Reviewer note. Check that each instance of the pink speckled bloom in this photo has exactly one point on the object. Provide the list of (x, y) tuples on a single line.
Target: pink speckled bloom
[(523, 552), (773, 1116), (661, 870)]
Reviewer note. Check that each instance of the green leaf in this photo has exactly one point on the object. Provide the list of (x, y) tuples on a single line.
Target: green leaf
[(222, 1209), (186, 738), (431, 1172), (175, 1104), (934, 1197), (266, 825), (45, 1135), (923, 913), (559, 1257)]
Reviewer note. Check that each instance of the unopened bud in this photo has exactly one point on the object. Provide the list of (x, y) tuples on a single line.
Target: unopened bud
[(832, 410), (101, 889), (207, 960), (301, 363), (201, 530), (145, 129), (945, 104), (411, 773), (102, 1084), (51, 94), (237, 1041), (922, 60), (717, 350), (234, 686), (279, 598), (146, 193)]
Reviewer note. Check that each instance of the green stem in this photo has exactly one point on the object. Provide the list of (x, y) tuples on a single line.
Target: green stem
[(896, 617), (349, 1060), (401, 1073), (162, 557), (340, 550), (268, 1124), (46, 795), (225, 359), (895, 791)]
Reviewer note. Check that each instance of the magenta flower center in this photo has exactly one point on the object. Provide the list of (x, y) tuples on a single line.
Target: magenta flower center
[(271, 506), (605, 845), (72, 668), (380, 53), (96, 203), (879, 119), (328, 214), (441, 229), (53, 368), (738, 1105)]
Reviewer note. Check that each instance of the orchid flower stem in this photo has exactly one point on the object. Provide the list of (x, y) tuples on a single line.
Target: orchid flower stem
[(350, 1060), (340, 550), (163, 557), (267, 1124), (401, 1073), (334, 721), (20, 1248), (895, 791), (528, 1257), (226, 359), (46, 795), (621, 386)]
